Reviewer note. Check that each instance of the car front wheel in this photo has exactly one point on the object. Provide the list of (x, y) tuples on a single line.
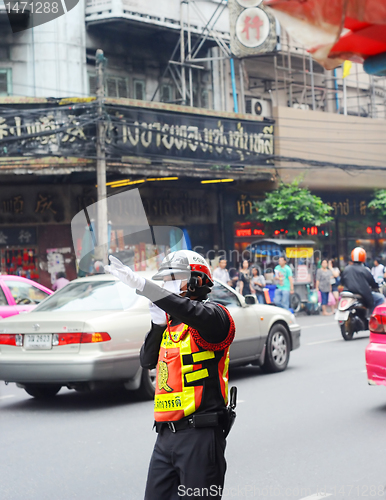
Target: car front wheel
[(277, 350), (45, 391)]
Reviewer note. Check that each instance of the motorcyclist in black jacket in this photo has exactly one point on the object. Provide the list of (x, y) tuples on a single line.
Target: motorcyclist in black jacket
[(357, 278)]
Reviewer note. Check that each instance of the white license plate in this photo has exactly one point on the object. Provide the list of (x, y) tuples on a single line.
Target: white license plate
[(342, 315), (40, 341)]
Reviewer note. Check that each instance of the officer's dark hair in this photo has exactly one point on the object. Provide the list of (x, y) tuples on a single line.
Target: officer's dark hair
[(221, 258), (60, 275)]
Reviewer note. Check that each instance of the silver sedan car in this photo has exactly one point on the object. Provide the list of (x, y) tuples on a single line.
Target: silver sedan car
[(90, 333)]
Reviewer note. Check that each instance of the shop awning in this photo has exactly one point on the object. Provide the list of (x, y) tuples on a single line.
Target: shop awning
[(335, 30)]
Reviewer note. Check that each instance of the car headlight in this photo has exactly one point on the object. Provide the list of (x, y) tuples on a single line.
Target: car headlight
[(292, 319)]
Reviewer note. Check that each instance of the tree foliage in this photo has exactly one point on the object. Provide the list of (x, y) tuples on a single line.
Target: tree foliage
[(379, 203), (291, 207)]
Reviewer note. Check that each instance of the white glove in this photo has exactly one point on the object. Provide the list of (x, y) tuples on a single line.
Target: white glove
[(125, 274), (158, 316)]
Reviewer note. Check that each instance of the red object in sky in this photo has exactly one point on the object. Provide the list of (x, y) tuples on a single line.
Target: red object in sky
[(335, 30)]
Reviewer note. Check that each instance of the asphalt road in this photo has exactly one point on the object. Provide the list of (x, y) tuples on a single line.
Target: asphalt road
[(310, 432)]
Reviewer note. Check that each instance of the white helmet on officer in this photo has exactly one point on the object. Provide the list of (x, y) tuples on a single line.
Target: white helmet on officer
[(190, 266)]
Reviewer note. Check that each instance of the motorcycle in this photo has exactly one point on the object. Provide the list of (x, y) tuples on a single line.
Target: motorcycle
[(352, 315)]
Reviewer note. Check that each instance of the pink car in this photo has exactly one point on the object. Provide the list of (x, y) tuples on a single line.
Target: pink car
[(20, 295), (376, 350)]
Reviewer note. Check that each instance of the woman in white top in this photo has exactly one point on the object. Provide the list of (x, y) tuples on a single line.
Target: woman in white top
[(258, 284)]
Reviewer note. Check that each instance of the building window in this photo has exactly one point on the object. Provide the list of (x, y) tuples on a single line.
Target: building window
[(92, 84), (115, 86), (5, 82), (139, 90), (166, 93)]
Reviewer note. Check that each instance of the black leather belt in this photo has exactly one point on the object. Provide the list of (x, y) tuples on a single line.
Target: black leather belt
[(195, 421)]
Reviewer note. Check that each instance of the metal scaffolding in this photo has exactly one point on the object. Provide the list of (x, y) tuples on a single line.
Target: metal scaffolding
[(295, 78), (186, 58), (301, 82)]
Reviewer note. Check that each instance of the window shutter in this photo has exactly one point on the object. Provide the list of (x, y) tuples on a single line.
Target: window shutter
[(166, 93), (4, 83), (111, 87), (122, 88), (139, 90), (92, 81)]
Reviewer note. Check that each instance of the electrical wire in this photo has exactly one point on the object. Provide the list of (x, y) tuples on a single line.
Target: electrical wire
[(117, 151)]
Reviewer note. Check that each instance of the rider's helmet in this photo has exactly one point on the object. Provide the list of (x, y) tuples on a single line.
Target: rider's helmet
[(358, 255), (186, 264)]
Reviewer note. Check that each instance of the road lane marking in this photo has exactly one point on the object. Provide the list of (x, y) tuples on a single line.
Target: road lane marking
[(318, 324), (9, 396), (317, 496), (324, 341)]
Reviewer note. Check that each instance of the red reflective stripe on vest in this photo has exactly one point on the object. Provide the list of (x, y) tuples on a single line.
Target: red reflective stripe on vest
[(220, 346)]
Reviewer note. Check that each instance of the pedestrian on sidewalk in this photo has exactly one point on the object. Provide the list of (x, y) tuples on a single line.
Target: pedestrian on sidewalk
[(284, 283), (221, 272), (245, 279), (60, 282), (258, 284), (335, 281), (324, 277)]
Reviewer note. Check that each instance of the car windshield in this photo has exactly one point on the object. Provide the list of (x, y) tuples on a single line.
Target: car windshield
[(91, 296), (222, 295)]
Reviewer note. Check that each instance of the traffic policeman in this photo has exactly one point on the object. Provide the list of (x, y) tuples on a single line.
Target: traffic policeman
[(189, 344)]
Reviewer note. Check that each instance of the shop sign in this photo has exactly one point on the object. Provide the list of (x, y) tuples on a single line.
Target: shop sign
[(349, 207), (182, 136), (33, 204), (20, 236), (299, 252), (253, 30), (245, 206), (60, 130), (252, 27), (135, 131)]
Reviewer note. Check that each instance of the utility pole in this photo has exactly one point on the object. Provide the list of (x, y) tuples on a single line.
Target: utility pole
[(182, 51), (102, 250)]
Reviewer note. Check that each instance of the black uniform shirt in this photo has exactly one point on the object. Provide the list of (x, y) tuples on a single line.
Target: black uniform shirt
[(358, 279), (209, 319)]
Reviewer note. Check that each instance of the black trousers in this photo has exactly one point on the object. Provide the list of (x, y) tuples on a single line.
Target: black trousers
[(187, 464)]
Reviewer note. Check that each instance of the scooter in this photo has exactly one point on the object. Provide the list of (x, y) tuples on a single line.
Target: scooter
[(352, 315), (381, 284)]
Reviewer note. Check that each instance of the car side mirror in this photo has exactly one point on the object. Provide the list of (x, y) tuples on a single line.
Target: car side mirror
[(250, 300)]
